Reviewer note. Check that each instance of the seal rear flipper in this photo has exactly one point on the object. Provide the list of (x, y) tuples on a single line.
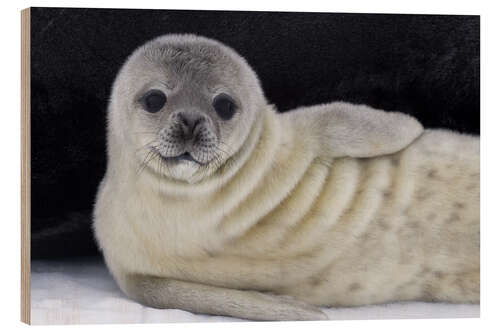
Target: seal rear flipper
[(198, 298), (342, 129)]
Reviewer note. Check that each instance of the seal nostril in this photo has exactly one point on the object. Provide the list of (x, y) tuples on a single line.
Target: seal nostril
[(190, 121), (184, 120)]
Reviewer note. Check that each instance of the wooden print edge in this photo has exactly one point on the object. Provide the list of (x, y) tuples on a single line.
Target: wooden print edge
[(25, 166)]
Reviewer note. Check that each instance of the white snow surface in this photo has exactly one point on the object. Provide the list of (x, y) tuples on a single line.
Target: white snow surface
[(81, 291)]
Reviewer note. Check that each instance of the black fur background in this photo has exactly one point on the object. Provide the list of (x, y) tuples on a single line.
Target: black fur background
[(424, 65)]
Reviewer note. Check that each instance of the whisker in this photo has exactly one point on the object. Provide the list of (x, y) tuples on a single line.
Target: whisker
[(225, 144), (149, 156), (159, 163), (147, 144), (153, 133), (220, 149)]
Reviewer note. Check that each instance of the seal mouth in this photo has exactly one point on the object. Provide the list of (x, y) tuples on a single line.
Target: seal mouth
[(182, 157), (186, 156)]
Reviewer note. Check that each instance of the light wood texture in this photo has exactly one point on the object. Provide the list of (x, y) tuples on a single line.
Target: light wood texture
[(25, 166)]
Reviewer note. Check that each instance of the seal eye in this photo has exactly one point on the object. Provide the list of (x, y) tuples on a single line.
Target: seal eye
[(153, 101), (224, 106)]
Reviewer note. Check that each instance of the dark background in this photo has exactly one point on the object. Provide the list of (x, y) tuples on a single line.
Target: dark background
[(423, 65)]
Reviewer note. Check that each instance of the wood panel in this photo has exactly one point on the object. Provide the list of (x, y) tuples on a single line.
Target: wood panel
[(25, 166)]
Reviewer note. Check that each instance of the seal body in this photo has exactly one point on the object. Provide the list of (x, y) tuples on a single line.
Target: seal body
[(285, 214), (330, 231)]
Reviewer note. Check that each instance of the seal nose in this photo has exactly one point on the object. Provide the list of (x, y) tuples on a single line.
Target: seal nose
[(190, 122)]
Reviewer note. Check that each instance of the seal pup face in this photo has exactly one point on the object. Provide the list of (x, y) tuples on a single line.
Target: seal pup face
[(185, 105)]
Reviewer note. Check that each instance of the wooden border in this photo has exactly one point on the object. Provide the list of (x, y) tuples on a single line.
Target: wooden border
[(25, 165)]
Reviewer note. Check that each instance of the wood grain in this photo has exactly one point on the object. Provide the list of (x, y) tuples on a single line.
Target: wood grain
[(25, 166)]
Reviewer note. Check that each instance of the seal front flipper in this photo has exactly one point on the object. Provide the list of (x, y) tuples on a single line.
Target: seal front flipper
[(342, 129), (198, 298)]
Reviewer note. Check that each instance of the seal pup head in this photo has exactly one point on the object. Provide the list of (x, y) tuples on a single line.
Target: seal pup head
[(181, 106)]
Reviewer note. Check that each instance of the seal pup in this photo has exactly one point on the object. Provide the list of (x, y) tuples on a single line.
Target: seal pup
[(214, 203)]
